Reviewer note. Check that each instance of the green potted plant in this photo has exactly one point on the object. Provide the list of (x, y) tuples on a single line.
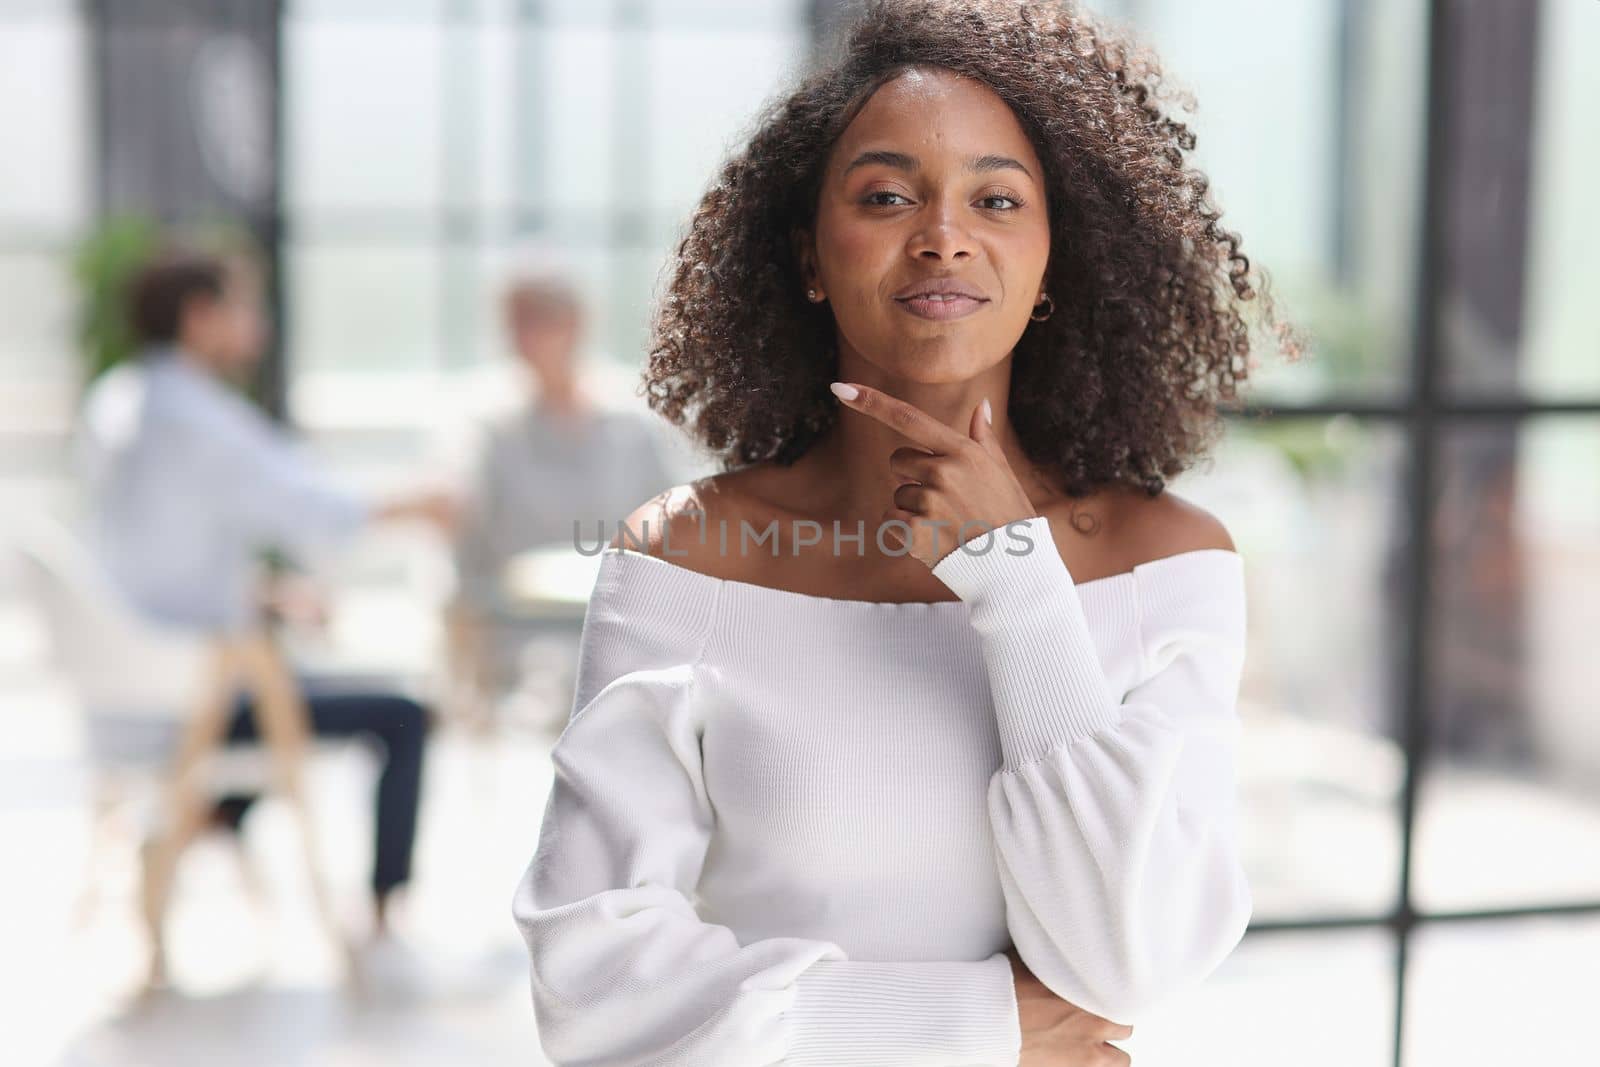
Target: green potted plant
[(102, 264)]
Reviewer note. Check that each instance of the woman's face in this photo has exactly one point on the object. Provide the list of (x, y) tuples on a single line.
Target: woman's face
[(934, 179)]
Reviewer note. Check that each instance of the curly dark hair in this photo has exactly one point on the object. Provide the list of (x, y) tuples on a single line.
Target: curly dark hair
[(1121, 384)]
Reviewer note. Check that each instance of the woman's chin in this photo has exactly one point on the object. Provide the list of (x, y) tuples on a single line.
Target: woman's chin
[(933, 365)]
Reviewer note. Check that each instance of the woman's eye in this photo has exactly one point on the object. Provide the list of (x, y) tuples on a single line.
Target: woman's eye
[(1005, 203), (881, 192)]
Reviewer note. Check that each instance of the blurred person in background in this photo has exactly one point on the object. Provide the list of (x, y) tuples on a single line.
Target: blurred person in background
[(557, 460), (190, 485)]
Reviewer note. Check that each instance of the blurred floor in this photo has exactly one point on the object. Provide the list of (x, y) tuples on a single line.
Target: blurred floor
[(258, 983)]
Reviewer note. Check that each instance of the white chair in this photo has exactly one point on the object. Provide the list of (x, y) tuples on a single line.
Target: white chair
[(155, 703)]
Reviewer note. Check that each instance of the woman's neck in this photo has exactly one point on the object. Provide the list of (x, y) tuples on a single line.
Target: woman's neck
[(851, 462)]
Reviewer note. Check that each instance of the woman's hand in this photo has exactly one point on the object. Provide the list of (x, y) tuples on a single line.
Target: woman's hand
[(1058, 1033), (953, 487)]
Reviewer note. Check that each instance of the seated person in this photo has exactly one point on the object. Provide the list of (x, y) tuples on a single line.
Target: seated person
[(557, 460), (189, 484)]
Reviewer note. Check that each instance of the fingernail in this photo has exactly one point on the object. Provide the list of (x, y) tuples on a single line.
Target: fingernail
[(843, 391), (988, 412)]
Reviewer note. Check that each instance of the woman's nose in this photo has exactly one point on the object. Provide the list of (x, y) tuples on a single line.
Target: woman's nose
[(942, 237)]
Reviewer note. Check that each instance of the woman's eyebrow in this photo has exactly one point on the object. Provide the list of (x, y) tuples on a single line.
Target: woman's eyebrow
[(902, 161)]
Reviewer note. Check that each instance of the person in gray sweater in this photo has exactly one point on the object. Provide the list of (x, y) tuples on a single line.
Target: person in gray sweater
[(544, 475)]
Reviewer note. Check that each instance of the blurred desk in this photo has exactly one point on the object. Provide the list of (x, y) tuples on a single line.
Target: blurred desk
[(550, 584), (376, 639)]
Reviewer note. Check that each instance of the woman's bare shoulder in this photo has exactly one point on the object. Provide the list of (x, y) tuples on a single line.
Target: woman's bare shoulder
[(1119, 528), (679, 524), (1155, 527)]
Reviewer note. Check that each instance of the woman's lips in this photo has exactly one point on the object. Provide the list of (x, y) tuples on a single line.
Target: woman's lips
[(948, 306)]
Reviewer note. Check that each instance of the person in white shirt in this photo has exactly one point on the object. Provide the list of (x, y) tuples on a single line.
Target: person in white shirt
[(189, 485), (550, 471), (909, 739)]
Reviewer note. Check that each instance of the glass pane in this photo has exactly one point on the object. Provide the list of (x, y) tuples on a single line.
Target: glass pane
[(389, 10), (1312, 506), (362, 114), (1561, 341), (725, 12), (38, 390), (645, 273), (22, 10), (38, 383), (1314, 1000), (1508, 812), (37, 339), (480, 121), (469, 293), (1309, 124), (704, 89), (44, 146), (574, 12), (1519, 991), (370, 309), (1535, 330), (568, 136), (481, 273)]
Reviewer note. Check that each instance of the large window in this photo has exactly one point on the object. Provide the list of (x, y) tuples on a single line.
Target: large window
[(1418, 502), (46, 198), (1417, 506), (589, 128)]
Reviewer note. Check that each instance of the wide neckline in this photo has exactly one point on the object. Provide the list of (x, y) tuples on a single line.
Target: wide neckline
[(795, 597)]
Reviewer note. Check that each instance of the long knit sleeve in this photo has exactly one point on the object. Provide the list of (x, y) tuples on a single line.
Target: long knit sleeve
[(624, 969), (1114, 821)]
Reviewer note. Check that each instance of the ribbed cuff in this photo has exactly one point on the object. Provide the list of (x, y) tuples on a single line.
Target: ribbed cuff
[(1044, 670), (863, 1013)]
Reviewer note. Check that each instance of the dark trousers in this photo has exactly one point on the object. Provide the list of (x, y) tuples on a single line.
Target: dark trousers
[(398, 724)]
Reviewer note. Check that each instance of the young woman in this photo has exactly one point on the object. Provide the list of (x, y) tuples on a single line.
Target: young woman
[(909, 738)]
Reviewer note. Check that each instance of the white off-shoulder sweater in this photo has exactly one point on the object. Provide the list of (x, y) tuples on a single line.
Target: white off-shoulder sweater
[(793, 829)]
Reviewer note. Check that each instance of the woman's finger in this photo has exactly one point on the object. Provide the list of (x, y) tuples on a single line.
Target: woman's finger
[(897, 527), (1112, 1056), (896, 414), (912, 498), (913, 464), (1106, 1030)]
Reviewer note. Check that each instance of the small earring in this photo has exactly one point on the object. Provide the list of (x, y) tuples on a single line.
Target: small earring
[(811, 294), (1045, 300)]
